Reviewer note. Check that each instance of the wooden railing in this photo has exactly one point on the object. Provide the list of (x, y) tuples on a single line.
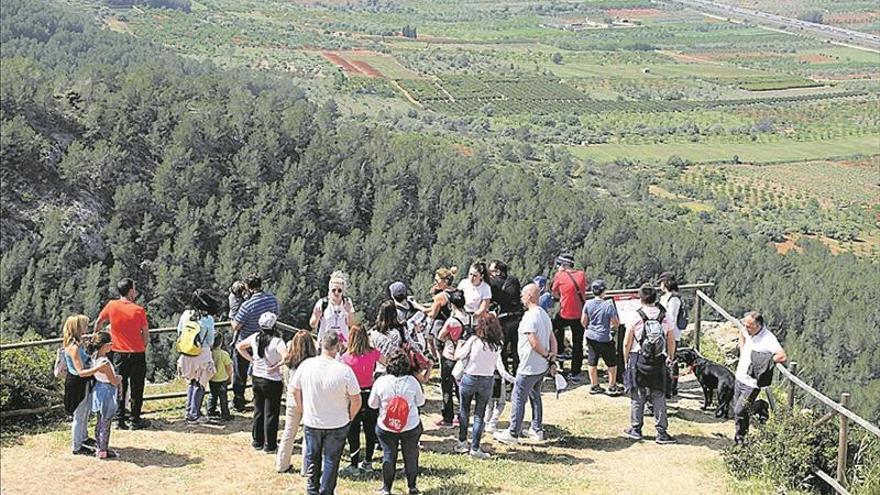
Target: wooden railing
[(153, 331), (838, 483)]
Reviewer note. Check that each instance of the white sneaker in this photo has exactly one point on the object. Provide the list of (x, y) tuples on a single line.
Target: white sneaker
[(537, 436), (462, 447), (479, 454), (505, 437)]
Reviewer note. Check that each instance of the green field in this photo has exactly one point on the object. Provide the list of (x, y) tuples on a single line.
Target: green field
[(786, 151)]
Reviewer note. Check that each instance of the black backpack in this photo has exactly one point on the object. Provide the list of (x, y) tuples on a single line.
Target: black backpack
[(652, 343), (682, 321)]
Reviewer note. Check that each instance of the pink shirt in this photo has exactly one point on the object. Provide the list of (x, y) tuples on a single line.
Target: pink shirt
[(363, 366)]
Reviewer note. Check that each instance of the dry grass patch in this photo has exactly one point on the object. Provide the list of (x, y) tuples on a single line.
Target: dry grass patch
[(584, 453)]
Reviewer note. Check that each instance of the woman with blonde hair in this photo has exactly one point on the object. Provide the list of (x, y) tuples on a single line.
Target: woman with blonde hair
[(362, 359), (77, 384), (300, 348), (335, 311)]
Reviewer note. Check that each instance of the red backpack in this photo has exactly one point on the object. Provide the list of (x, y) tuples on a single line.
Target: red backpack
[(397, 412)]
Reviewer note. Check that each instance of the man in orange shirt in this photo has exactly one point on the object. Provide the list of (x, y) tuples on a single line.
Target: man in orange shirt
[(130, 335)]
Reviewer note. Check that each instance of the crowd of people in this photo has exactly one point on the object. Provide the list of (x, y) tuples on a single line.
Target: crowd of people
[(487, 334)]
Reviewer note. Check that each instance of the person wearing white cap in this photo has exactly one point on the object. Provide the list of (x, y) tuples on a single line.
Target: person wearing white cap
[(266, 352)]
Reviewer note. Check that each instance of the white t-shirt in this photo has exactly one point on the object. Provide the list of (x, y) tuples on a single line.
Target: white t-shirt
[(327, 386), (536, 321), (388, 386), (100, 375), (481, 358), (272, 355), (473, 296), (673, 306), (334, 318), (763, 341), (636, 324)]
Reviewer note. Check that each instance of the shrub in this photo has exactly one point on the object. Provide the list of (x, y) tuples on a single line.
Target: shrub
[(27, 380), (788, 446)]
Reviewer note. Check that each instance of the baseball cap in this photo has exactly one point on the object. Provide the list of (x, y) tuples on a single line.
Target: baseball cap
[(565, 259), (397, 289), (267, 320), (598, 286)]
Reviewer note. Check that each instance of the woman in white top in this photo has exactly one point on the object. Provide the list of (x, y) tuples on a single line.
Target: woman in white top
[(482, 356), (300, 348), (393, 430), (266, 352), (477, 293), (334, 312)]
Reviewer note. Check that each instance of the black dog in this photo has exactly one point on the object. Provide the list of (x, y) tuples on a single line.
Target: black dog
[(712, 377), (760, 409)]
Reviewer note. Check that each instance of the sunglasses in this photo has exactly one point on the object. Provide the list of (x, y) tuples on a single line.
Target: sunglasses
[(336, 291)]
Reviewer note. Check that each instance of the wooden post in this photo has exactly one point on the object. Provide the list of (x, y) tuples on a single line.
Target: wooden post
[(698, 324), (791, 386), (841, 442)]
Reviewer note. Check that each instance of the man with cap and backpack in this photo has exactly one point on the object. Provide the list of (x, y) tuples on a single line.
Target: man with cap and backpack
[(648, 347), (569, 286)]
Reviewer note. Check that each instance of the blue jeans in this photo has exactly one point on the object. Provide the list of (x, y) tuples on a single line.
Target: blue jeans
[(102, 432), (195, 393), (408, 441), (526, 387), (80, 428), (471, 386), (323, 452)]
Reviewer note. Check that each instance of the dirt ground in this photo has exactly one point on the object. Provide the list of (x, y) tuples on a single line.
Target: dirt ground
[(583, 453)]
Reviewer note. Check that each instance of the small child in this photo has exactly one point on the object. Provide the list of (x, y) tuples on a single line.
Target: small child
[(499, 396), (220, 381), (104, 394)]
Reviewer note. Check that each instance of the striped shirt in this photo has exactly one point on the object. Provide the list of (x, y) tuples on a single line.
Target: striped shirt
[(249, 313)]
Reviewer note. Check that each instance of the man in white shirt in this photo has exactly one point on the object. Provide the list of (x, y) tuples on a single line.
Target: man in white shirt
[(537, 350), (328, 397), (671, 301), (756, 338)]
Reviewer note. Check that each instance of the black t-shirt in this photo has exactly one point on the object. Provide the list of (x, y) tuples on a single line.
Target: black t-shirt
[(506, 294)]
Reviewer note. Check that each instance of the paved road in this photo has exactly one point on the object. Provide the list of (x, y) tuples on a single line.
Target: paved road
[(795, 26)]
